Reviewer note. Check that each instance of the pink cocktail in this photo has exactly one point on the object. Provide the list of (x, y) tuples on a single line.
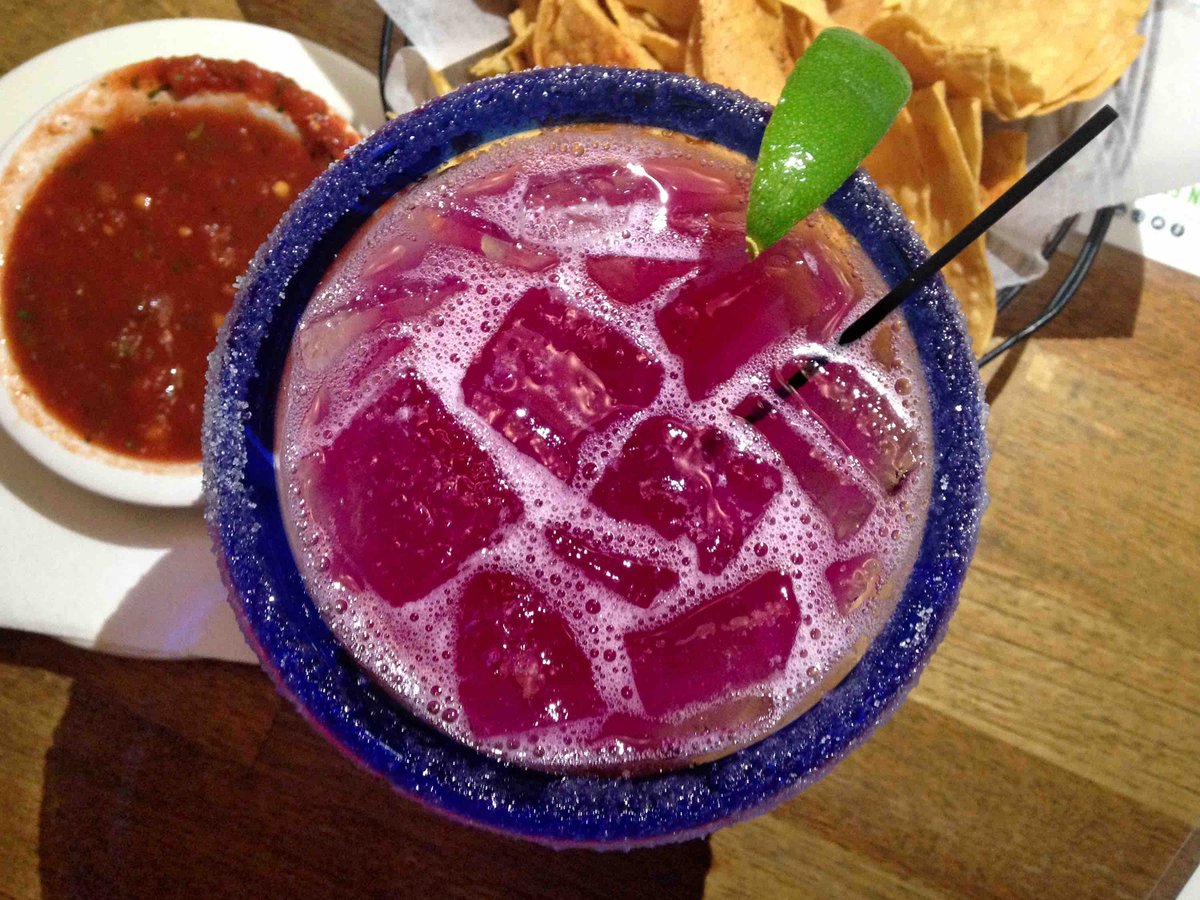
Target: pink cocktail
[(574, 480)]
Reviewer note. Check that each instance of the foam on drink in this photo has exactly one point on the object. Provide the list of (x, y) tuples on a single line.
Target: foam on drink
[(517, 468)]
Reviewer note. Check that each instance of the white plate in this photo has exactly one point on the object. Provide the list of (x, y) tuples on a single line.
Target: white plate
[(349, 89), (99, 572)]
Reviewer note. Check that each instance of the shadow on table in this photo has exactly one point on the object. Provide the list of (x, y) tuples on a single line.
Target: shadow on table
[(1105, 306), (183, 781)]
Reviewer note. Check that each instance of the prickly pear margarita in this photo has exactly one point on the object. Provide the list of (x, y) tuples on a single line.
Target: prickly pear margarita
[(571, 476)]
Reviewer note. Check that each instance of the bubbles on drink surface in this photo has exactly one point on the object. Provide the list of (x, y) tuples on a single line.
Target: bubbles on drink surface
[(544, 472)]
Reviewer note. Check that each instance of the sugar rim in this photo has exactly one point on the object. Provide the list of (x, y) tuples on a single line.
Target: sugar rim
[(300, 652)]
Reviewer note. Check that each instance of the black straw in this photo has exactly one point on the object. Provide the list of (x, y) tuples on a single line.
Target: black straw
[(1054, 160)]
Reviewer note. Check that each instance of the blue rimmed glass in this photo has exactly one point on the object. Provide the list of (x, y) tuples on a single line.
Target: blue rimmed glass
[(300, 652)]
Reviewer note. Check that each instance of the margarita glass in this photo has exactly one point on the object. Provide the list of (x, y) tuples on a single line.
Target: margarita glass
[(331, 689)]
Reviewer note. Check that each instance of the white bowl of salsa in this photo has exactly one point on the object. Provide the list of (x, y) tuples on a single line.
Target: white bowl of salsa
[(128, 208)]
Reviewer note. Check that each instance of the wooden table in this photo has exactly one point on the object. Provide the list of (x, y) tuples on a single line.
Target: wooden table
[(1052, 748)]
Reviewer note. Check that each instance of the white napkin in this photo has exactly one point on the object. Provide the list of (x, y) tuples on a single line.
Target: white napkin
[(408, 83), (449, 31), (106, 574)]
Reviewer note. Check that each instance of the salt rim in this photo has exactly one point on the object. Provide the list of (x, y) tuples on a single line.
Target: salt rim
[(310, 667)]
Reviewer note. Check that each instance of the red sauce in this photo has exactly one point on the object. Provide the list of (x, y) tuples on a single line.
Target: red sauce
[(121, 267), (182, 76)]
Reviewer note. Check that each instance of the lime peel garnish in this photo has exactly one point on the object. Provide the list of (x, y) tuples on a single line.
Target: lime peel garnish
[(839, 101)]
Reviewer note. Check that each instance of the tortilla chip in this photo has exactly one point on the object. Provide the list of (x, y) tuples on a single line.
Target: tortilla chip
[(1026, 33), (965, 70), (1117, 66), (967, 115), (1019, 57), (693, 62), (816, 10), (1003, 163), (921, 163), (496, 64), (579, 31), (743, 46), (666, 48), (897, 169), (857, 15), (803, 20), (1012, 92), (1110, 44), (627, 23), (676, 15), (441, 83), (514, 57), (1114, 26)]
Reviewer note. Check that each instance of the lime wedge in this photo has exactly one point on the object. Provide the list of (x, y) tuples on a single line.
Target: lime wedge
[(839, 101)]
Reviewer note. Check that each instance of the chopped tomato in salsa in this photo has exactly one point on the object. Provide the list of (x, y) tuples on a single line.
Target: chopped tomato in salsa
[(122, 265), (322, 131)]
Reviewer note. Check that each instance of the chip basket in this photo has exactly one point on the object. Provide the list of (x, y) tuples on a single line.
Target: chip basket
[(1058, 301)]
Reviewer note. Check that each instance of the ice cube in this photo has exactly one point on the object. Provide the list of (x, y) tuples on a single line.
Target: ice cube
[(631, 279), (328, 402), (407, 494), (719, 718), (551, 374), (463, 229), (729, 642), (682, 480), (832, 490), (586, 198), (637, 581), (855, 581), (859, 418), (492, 184), (322, 341), (703, 201), (518, 666), (695, 182), (719, 321)]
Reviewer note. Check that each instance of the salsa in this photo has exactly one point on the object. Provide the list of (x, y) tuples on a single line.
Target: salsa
[(122, 264), (322, 131)]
